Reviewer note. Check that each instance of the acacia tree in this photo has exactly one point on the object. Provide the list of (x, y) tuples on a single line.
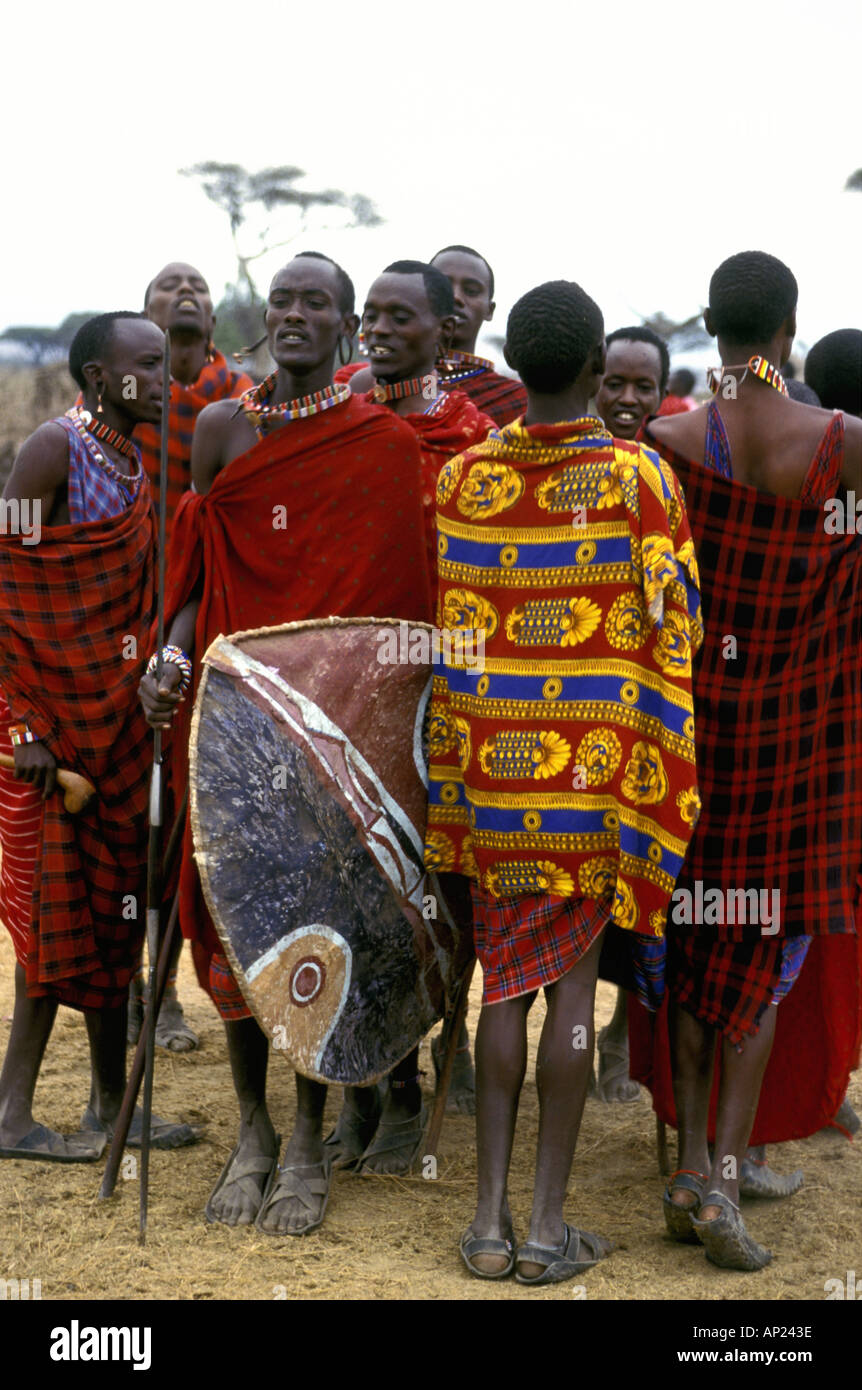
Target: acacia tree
[(238, 192)]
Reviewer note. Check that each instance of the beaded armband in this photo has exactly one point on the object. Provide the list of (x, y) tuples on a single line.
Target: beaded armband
[(175, 656), (19, 733)]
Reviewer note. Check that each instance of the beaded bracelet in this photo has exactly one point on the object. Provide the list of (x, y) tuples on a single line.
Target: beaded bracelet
[(19, 733), (175, 656)]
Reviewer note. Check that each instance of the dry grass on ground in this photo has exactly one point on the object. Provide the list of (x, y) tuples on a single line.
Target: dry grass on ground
[(383, 1238)]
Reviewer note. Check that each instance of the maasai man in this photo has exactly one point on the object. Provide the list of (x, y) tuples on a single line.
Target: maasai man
[(78, 600), (408, 322), (472, 281), (179, 301), (346, 474), (772, 869), (562, 779), (634, 383), (833, 368)]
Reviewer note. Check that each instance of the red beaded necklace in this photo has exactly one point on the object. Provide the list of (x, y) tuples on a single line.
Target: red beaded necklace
[(121, 442), (383, 391), (460, 366), (251, 402), (757, 365)]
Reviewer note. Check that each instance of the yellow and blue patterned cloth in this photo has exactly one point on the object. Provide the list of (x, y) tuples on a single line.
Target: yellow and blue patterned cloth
[(562, 755)]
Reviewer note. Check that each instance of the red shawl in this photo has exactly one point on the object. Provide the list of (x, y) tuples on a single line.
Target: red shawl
[(217, 382), (320, 518), (503, 398), (455, 426), (784, 716), (78, 619)]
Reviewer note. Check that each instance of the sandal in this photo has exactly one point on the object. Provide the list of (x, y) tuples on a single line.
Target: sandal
[(352, 1135), (248, 1172), (403, 1139), (678, 1218), (286, 1182), (725, 1238), (487, 1245), (757, 1179), (562, 1262)]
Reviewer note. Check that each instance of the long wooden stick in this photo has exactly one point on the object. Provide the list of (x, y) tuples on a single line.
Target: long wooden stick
[(133, 1085), (154, 878), (450, 1046)]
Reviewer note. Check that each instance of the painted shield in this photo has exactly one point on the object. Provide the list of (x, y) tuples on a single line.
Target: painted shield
[(308, 804)]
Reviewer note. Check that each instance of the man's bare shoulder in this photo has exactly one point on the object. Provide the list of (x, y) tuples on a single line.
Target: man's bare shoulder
[(42, 463), (216, 415), (684, 434)]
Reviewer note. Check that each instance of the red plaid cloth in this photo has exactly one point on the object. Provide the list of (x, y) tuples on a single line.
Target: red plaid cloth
[(217, 382), (20, 833), (523, 944), (500, 397), (79, 613), (726, 984), (778, 729), (351, 546), (225, 992)]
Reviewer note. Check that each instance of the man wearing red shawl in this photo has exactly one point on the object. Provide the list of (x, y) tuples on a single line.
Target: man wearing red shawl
[(472, 281), (408, 321), (345, 470), (179, 301), (78, 598), (562, 779), (779, 746)]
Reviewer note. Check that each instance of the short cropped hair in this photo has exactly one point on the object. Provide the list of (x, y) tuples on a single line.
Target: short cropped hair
[(346, 292), (833, 368), (93, 339), (468, 251), (550, 334), (441, 300), (750, 296), (641, 334)]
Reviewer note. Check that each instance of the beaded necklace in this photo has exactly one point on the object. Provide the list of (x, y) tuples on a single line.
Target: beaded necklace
[(757, 365), (397, 390), (87, 427), (461, 366), (251, 402)]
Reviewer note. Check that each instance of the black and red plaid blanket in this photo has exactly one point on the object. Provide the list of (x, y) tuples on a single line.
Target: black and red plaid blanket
[(778, 704), (78, 625)]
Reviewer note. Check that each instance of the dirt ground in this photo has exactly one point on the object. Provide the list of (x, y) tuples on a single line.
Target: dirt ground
[(384, 1238)]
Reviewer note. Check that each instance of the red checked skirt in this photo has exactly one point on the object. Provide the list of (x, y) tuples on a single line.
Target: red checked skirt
[(20, 833), (523, 944)]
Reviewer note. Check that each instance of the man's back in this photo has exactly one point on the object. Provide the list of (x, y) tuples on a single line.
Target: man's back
[(772, 440)]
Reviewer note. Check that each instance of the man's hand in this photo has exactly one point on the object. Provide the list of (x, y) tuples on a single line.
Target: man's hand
[(159, 701), (36, 765)]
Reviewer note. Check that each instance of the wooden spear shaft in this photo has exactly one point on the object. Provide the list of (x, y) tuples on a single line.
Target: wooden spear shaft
[(154, 878), (123, 1121)]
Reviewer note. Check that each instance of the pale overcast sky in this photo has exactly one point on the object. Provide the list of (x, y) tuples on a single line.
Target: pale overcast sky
[(630, 147)]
